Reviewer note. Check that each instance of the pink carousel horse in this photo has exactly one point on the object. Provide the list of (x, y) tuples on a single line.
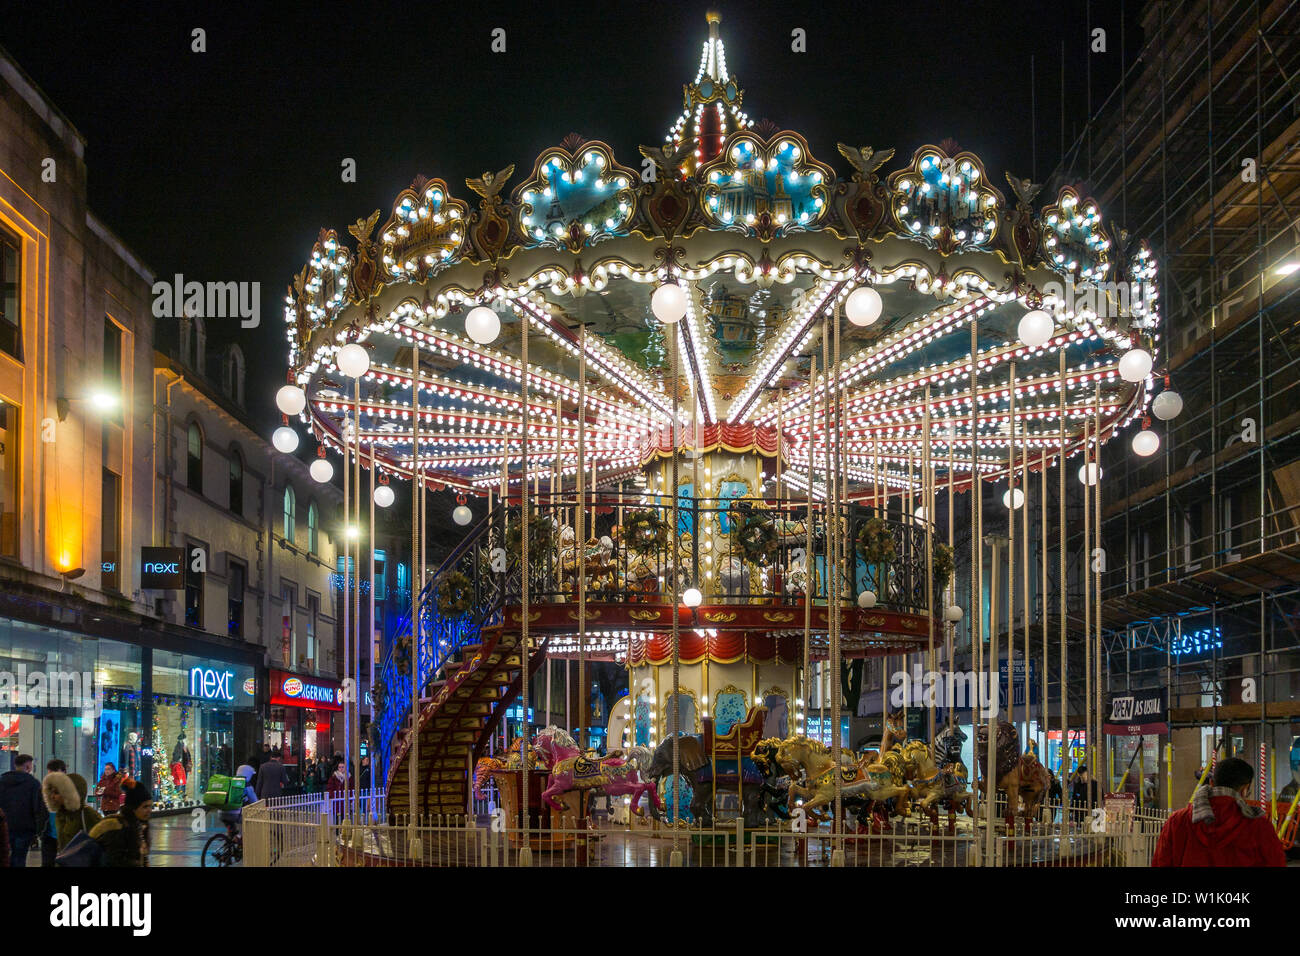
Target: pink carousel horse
[(570, 770)]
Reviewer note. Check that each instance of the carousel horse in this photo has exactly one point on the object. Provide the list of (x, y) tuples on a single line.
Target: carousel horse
[(934, 783), (694, 764), (1020, 776), (487, 766), (811, 760), (571, 770)]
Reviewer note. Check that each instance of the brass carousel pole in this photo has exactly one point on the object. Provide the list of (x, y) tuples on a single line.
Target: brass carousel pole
[(808, 564), (1064, 765), (347, 615), (834, 612), (1097, 561), (1086, 577), (580, 539), (928, 504), (355, 703), (414, 763), (1044, 714), (525, 761), (1011, 552), (990, 660), (1024, 557), (675, 859), (951, 626)]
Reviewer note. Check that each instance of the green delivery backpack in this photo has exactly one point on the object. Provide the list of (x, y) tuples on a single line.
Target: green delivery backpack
[(223, 792)]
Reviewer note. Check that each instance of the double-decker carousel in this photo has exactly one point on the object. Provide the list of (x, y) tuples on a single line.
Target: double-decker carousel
[(715, 415)]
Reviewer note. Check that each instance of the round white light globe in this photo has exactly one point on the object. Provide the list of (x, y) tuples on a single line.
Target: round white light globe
[(867, 599), (920, 513), (384, 495), (1168, 404), (285, 439), (353, 360), (1146, 443), (1135, 365), (482, 325), (290, 399), (462, 515), (953, 613), (668, 302), (692, 597), (863, 306), (1035, 328), (1089, 473), (1013, 494), (322, 470)]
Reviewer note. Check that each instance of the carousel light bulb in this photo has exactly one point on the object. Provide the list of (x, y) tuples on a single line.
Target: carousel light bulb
[(482, 325), (1146, 443), (1013, 495), (1135, 365), (1089, 474), (353, 360), (1035, 328), (290, 399), (462, 515), (952, 613), (1168, 404), (669, 303), (321, 470), (692, 597), (285, 439), (384, 495), (920, 513), (867, 599), (863, 306)]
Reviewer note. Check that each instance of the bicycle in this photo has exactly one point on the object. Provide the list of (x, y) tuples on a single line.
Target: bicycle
[(227, 848)]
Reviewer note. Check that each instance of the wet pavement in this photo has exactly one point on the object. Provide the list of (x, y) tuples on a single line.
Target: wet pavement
[(172, 840)]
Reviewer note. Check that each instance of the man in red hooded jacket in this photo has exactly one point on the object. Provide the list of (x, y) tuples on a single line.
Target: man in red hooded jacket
[(1220, 828)]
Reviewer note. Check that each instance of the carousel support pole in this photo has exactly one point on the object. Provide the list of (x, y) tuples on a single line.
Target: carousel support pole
[(347, 619), (1098, 558), (1011, 556), (370, 626), (580, 541), (927, 499), (355, 703), (673, 586), (1044, 714), (525, 762), (1086, 576), (1024, 564), (834, 612), (414, 762), (1063, 765), (977, 539), (951, 628), (808, 565)]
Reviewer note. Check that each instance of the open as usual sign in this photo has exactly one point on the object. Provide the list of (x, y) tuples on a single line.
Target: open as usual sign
[(1137, 712)]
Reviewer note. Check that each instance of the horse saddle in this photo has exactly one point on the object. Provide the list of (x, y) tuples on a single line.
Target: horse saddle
[(586, 767)]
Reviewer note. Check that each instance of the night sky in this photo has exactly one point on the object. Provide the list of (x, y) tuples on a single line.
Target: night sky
[(224, 165)]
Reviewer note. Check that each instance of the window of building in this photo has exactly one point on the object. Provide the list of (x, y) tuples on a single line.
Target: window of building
[(9, 443), (235, 601), (194, 458), (313, 612), (113, 374), (288, 601), (110, 534), (380, 583), (11, 339), (290, 513), (236, 483), (313, 526), (193, 592), (233, 373)]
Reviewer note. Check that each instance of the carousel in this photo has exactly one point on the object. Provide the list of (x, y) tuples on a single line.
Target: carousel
[(713, 412)]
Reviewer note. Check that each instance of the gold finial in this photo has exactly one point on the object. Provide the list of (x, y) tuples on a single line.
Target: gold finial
[(713, 16)]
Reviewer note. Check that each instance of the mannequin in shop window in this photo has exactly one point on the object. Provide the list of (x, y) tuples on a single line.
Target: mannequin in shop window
[(181, 762), (131, 752)]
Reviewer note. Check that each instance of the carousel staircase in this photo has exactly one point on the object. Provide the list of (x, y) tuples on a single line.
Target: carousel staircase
[(465, 702)]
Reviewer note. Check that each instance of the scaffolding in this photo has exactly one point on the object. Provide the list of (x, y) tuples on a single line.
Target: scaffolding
[(1198, 151)]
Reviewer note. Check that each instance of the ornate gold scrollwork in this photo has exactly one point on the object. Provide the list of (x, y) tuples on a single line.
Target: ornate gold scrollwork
[(720, 617), (644, 615), (778, 617)]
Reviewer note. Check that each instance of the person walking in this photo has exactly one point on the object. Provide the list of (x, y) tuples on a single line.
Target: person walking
[(1219, 828), (125, 835), (50, 838), (65, 798), (24, 810), (4, 841), (109, 790), (271, 778)]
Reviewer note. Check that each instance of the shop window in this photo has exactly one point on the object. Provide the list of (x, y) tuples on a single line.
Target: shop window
[(10, 298), (236, 483), (110, 536), (290, 513), (113, 368), (235, 601), (194, 459), (193, 595), (313, 612), (9, 480), (313, 527)]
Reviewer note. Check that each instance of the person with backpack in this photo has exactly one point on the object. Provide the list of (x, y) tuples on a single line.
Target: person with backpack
[(65, 798), (124, 837), (1219, 828)]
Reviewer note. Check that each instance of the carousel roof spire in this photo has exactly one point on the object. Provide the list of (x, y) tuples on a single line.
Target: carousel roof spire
[(710, 104)]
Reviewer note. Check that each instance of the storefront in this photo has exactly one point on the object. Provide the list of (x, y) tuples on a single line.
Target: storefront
[(202, 709), (301, 722)]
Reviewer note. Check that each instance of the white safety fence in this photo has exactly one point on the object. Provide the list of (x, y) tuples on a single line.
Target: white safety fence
[(316, 831)]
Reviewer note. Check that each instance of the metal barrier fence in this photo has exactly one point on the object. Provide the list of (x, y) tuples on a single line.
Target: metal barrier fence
[(304, 832)]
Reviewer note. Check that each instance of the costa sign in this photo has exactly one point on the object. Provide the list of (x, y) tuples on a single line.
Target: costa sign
[(294, 690)]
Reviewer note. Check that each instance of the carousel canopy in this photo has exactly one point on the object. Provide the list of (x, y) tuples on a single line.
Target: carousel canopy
[(768, 243)]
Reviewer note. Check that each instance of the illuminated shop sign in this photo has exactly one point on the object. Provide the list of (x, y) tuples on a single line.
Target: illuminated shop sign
[(1204, 641), (294, 690), (162, 568), (211, 684)]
